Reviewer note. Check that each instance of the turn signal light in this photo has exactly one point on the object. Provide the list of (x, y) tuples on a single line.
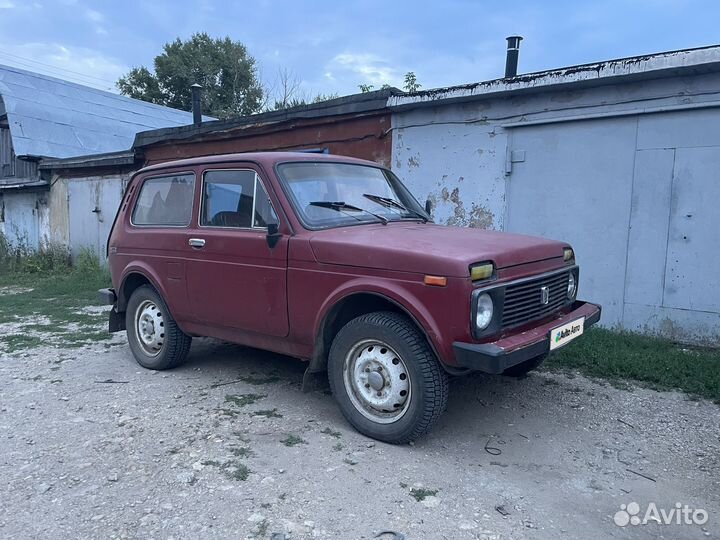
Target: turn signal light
[(568, 255), (437, 281)]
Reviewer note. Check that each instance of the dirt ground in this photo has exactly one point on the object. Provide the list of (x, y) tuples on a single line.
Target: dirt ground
[(227, 446)]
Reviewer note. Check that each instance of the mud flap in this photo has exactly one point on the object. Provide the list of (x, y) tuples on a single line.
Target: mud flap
[(116, 321), (314, 381)]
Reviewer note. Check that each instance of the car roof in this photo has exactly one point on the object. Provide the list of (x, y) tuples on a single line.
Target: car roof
[(268, 159)]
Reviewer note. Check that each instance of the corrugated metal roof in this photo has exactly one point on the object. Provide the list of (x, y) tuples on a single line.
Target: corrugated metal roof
[(54, 118)]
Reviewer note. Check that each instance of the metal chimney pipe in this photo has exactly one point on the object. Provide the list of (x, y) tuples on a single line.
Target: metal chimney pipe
[(196, 104), (513, 51)]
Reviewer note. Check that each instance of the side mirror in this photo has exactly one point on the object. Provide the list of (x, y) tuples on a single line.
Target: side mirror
[(273, 234), (428, 207)]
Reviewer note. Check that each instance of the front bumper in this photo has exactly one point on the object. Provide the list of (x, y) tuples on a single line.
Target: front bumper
[(107, 296), (497, 356)]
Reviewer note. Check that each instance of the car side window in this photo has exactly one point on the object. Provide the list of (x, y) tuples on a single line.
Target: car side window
[(165, 201), (235, 198)]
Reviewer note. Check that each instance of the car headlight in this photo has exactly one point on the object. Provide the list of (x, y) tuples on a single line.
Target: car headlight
[(483, 311), (568, 255), (572, 286)]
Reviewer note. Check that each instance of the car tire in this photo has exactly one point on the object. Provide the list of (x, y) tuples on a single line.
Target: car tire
[(385, 377), (154, 337), (525, 367)]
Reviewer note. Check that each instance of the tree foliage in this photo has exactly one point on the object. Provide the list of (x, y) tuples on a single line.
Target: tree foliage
[(411, 84), (286, 92), (223, 67)]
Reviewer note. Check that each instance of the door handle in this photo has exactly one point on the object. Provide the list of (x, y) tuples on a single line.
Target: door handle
[(197, 242)]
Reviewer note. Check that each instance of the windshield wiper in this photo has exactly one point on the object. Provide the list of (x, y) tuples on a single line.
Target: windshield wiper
[(341, 206), (392, 203)]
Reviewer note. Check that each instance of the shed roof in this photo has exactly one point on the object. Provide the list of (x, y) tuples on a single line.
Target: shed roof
[(354, 104), (49, 117), (632, 68)]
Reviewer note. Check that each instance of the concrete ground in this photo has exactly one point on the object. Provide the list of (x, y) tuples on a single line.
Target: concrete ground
[(227, 446)]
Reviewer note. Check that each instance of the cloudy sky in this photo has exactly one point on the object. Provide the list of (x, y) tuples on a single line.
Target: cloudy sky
[(332, 47)]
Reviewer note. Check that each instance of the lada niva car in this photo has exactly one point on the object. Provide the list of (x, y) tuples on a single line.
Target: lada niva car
[(332, 260)]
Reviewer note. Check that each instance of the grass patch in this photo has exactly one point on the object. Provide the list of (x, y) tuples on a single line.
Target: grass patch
[(242, 400), (420, 494), (328, 431), (259, 380), (241, 451), (268, 413), (55, 296), (233, 469), (237, 471), (293, 440), (52, 294), (653, 362), (20, 342)]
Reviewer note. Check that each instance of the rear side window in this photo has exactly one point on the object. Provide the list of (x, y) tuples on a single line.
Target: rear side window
[(235, 199), (165, 201)]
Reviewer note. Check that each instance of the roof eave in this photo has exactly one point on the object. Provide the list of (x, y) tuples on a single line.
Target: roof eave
[(108, 159), (656, 66), (354, 104), (20, 184)]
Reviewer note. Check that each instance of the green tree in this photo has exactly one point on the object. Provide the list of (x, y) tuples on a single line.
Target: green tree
[(411, 82), (223, 67)]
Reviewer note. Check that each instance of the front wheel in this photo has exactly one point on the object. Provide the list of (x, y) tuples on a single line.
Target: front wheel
[(385, 377), (154, 338)]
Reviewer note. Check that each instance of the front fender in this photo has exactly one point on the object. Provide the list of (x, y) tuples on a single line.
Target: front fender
[(412, 298)]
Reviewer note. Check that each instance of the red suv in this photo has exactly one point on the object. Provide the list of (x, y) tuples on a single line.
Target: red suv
[(332, 260)]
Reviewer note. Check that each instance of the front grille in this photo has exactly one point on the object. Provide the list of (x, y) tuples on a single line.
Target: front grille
[(523, 301)]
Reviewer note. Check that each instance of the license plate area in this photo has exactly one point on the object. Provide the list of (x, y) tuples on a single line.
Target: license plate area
[(562, 335)]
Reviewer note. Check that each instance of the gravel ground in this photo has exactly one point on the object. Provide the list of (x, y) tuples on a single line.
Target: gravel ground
[(227, 446)]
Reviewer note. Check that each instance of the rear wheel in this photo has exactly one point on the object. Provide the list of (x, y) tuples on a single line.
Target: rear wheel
[(154, 338), (528, 365), (385, 377)]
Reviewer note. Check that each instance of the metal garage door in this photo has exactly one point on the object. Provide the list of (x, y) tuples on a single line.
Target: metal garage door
[(92, 205), (573, 182)]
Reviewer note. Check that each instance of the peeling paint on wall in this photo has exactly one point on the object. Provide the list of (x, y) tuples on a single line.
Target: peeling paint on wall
[(477, 217), (458, 168)]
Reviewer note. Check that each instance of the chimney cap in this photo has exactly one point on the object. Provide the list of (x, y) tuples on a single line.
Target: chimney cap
[(514, 41)]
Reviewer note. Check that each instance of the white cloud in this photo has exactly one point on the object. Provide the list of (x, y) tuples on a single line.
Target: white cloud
[(367, 68), (94, 16), (96, 19), (75, 64), (6, 4)]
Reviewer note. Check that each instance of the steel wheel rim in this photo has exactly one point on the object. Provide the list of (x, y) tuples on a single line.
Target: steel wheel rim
[(377, 381), (150, 328)]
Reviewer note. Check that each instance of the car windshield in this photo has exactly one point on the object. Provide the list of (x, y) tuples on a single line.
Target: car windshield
[(338, 194)]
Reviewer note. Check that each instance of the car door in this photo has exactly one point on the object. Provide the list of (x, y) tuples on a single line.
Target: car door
[(156, 237), (234, 278)]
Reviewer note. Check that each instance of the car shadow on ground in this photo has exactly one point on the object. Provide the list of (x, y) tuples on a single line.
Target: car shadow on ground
[(479, 405)]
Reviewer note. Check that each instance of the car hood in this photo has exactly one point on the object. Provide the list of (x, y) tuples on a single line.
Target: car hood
[(428, 248)]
